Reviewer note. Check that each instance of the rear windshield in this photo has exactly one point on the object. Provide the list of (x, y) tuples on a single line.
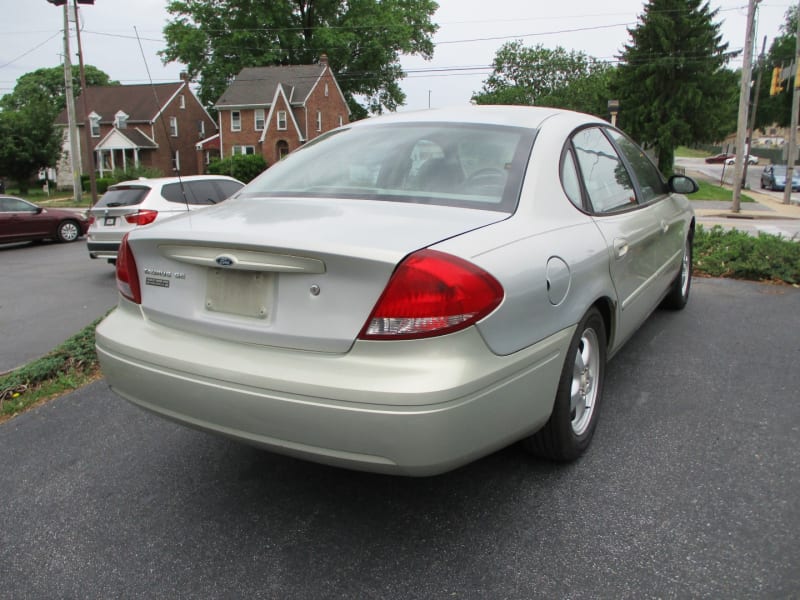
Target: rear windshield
[(200, 192), (126, 195), (781, 170), (465, 165)]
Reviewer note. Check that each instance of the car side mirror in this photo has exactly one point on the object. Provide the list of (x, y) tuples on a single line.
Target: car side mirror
[(39, 210), (681, 184)]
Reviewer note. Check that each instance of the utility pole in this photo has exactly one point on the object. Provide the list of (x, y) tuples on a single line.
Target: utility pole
[(744, 101), (87, 133), (792, 141), (72, 126), (756, 93)]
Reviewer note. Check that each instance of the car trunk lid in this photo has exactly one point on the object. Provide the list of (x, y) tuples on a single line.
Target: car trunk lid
[(293, 273)]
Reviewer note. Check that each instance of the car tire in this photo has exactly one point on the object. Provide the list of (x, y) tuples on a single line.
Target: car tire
[(568, 432), (68, 231), (678, 294)]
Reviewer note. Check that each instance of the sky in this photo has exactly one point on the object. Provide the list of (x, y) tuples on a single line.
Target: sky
[(470, 32)]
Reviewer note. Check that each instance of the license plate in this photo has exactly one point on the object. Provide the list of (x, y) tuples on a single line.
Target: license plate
[(244, 293), (109, 221)]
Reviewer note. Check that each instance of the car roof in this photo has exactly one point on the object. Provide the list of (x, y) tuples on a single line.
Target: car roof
[(517, 116)]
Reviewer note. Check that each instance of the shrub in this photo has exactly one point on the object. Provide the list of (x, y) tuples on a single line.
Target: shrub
[(244, 167), (731, 253)]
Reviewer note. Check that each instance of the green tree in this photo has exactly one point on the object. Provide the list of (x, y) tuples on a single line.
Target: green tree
[(47, 85), (778, 109), (363, 39), (672, 84), (543, 77), (28, 142)]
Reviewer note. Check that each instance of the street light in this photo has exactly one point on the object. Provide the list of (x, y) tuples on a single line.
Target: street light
[(613, 109)]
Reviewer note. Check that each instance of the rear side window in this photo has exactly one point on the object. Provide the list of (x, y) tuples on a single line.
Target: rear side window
[(650, 181), (128, 195), (604, 174)]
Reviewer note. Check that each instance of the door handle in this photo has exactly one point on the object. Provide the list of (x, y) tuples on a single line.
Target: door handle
[(620, 247), (664, 226)]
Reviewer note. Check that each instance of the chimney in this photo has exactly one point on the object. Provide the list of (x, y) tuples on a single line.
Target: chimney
[(185, 77), (323, 59)]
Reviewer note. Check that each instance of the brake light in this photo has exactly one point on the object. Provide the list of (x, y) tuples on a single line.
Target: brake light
[(127, 275), (91, 219), (432, 293), (143, 217)]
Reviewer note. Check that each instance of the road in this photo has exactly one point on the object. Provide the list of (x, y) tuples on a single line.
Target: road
[(691, 489), (48, 292)]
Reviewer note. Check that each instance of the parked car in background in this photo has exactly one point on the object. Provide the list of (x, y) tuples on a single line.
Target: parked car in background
[(406, 293), (719, 158), (751, 160), (773, 177), (131, 204), (22, 221)]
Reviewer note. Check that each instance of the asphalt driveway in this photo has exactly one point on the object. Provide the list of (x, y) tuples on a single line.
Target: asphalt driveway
[(691, 489)]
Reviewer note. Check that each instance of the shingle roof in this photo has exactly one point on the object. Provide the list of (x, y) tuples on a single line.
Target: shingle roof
[(140, 102), (138, 137), (257, 85)]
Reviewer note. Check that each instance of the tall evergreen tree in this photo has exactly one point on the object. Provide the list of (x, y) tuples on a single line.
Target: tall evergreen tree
[(673, 87)]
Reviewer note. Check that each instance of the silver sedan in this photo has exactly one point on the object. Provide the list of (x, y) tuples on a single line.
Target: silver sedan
[(407, 293)]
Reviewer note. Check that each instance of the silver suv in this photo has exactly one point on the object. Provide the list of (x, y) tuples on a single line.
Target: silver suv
[(130, 204)]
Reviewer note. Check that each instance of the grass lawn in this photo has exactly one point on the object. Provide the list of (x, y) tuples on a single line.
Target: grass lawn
[(709, 191), (685, 152)]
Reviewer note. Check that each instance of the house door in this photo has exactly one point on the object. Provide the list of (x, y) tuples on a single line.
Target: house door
[(281, 150)]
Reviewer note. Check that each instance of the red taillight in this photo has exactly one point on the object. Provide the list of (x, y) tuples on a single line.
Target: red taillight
[(432, 293), (127, 276), (91, 219), (143, 217)]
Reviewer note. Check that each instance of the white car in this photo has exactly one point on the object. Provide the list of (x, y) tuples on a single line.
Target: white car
[(138, 202), (406, 293), (751, 160)]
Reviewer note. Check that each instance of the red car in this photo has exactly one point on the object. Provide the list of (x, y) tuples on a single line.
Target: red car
[(720, 158), (22, 221)]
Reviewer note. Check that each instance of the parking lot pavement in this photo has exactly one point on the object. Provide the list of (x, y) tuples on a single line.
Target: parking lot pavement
[(690, 490)]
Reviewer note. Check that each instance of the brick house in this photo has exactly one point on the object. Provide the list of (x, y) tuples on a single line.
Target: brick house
[(156, 126), (274, 110)]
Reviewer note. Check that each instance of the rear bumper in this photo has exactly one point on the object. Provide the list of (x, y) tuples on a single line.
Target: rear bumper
[(412, 408), (102, 249)]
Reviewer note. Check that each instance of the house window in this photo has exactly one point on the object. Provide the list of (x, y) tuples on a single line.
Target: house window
[(319, 120), (173, 126), (182, 101), (94, 124), (121, 120), (341, 121), (237, 150), (236, 120), (326, 90), (282, 120), (259, 119), (176, 161), (201, 129), (208, 157)]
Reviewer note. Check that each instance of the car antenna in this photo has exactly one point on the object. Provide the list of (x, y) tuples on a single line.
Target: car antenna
[(163, 124)]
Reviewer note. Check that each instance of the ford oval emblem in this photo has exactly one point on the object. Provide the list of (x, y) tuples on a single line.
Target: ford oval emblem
[(225, 261)]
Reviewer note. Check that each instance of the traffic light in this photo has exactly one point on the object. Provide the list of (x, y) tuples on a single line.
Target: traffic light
[(775, 87)]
